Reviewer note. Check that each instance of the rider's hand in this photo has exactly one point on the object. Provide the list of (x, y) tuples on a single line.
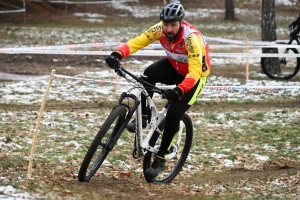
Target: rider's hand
[(291, 26), (173, 94), (113, 60)]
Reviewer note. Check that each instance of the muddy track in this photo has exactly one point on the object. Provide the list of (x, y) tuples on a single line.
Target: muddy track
[(138, 189)]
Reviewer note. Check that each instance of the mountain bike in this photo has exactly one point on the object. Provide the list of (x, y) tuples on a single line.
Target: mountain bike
[(146, 145), (282, 68)]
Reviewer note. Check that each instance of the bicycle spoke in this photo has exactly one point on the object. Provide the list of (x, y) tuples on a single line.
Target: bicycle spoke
[(102, 144), (177, 154)]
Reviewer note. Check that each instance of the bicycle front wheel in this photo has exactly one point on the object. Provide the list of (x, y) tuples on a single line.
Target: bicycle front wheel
[(102, 144), (178, 152), (282, 68)]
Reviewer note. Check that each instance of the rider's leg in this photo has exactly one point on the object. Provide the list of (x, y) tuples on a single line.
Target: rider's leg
[(159, 72), (176, 109), (174, 114)]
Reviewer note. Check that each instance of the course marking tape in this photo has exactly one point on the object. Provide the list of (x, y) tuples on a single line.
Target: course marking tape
[(252, 88), (68, 46), (141, 53), (18, 77), (12, 11), (89, 80), (253, 55), (151, 46), (244, 43), (227, 88)]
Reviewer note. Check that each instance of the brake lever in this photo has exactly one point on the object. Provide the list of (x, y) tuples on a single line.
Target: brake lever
[(120, 72)]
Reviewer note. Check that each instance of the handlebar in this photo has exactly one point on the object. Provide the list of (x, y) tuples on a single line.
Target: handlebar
[(122, 72)]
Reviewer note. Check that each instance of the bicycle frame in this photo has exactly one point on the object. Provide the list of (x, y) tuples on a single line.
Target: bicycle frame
[(145, 145), (142, 144)]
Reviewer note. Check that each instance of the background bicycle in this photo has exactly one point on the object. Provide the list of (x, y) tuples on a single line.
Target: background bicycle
[(281, 68), (145, 145)]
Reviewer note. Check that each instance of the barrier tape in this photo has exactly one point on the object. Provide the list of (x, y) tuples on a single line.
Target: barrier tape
[(68, 46), (227, 88), (142, 53), (13, 11), (151, 46), (254, 43), (252, 88), (251, 55), (18, 77), (89, 80)]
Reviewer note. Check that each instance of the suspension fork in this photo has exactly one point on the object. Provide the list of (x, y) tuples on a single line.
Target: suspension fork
[(128, 117)]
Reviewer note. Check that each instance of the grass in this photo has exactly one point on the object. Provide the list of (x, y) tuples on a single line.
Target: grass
[(234, 130)]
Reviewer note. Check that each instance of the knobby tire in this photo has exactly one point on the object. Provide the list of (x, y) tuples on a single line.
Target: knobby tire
[(174, 165), (289, 66), (102, 144)]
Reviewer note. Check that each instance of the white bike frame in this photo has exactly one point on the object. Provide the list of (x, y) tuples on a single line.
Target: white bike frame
[(142, 144)]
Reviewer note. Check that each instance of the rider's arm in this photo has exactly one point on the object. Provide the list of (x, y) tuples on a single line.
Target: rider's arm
[(296, 22), (197, 48), (141, 41)]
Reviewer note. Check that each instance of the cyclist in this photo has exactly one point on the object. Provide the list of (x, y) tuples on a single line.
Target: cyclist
[(187, 65), (296, 26)]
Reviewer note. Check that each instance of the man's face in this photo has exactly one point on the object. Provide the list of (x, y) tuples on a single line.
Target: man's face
[(171, 30)]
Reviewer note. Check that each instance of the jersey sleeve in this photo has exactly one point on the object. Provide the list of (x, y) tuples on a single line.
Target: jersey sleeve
[(196, 51), (141, 41)]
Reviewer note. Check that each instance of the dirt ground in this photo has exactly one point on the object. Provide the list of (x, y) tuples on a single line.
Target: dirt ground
[(111, 188)]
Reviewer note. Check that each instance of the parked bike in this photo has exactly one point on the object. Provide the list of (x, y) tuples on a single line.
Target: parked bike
[(281, 68)]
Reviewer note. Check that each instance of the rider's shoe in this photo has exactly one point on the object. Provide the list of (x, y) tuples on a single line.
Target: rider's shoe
[(156, 167), (131, 126)]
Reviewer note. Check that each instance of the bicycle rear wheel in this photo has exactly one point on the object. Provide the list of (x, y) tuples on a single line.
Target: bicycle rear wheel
[(282, 68), (178, 153), (102, 143)]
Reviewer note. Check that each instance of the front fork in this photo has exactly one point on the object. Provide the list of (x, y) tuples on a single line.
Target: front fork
[(128, 117)]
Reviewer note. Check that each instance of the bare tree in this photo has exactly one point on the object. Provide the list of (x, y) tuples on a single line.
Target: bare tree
[(268, 32), (268, 23), (229, 10)]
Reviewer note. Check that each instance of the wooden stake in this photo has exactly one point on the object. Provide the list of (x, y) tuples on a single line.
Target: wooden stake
[(247, 62), (38, 125)]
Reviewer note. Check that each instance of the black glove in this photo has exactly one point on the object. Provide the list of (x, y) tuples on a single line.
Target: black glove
[(113, 60), (291, 26), (173, 94)]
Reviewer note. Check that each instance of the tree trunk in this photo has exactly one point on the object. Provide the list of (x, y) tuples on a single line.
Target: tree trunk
[(268, 32), (268, 23), (229, 10)]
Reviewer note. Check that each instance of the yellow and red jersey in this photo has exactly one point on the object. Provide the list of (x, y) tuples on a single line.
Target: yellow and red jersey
[(188, 53)]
